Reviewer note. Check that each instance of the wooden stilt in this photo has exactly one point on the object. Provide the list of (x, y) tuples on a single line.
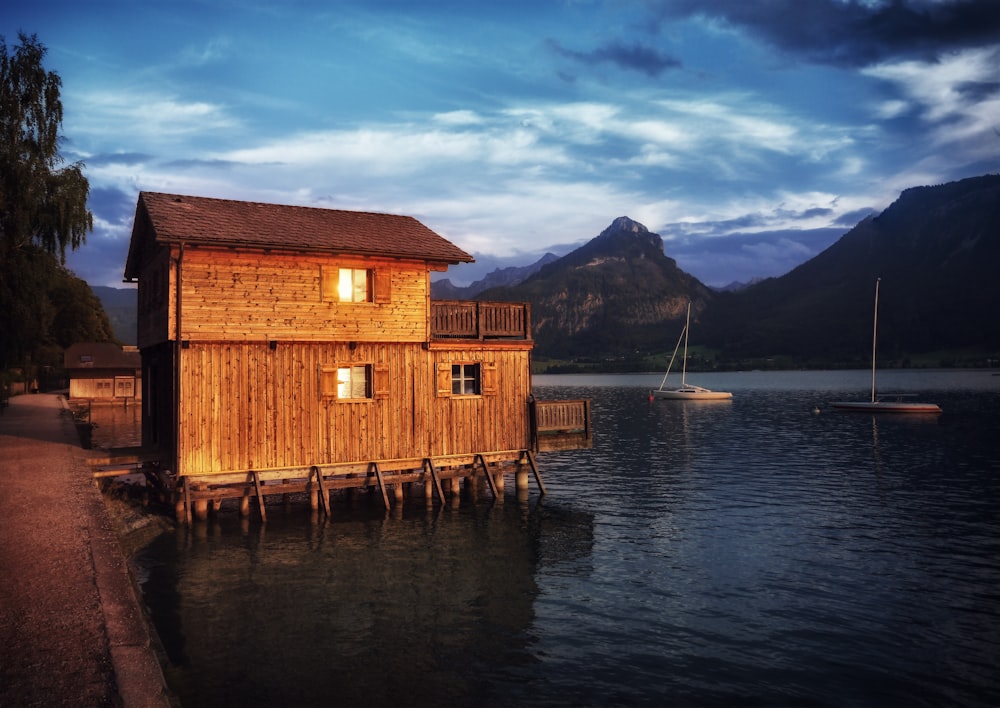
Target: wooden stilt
[(489, 478), (187, 502), (429, 466), (381, 483), (323, 495), (255, 478), (534, 468)]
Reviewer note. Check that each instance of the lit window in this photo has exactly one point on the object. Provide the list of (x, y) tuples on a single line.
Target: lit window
[(352, 285), (465, 380), (354, 382)]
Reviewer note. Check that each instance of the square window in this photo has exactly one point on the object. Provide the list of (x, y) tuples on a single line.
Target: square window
[(353, 285), (465, 380), (348, 383)]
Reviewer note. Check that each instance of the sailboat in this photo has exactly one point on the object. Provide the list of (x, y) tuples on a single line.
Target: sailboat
[(878, 404), (686, 391)]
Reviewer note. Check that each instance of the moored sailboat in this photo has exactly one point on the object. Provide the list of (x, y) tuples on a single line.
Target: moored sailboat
[(686, 391), (886, 402)]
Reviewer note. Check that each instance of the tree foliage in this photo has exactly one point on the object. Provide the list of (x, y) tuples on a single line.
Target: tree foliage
[(43, 211), (42, 200)]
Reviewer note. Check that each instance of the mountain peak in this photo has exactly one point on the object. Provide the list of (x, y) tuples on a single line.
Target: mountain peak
[(623, 223), (625, 230)]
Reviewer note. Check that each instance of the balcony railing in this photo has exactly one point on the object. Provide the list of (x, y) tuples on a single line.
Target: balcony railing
[(467, 319), (561, 425)]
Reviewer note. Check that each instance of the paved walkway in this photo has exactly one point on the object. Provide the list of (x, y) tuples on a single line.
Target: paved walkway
[(71, 630)]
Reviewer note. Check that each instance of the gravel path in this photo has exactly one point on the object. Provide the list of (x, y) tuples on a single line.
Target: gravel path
[(71, 631)]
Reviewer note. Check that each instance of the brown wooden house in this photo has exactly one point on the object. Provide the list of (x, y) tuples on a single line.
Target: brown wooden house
[(285, 342), (102, 371)]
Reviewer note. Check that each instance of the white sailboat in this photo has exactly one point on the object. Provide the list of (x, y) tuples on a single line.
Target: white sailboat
[(878, 403), (686, 391)]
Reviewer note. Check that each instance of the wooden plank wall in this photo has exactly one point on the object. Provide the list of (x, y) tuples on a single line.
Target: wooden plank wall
[(155, 300), (230, 296), (247, 406)]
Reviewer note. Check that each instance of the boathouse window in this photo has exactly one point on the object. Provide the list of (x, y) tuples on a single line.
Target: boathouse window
[(347, 383), (354, 285), (465, 380)]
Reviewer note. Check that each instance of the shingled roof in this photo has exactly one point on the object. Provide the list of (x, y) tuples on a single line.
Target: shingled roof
[(204, 221), (100, 355)]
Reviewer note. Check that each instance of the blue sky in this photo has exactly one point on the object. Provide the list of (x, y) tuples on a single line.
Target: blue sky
[(749, 135)]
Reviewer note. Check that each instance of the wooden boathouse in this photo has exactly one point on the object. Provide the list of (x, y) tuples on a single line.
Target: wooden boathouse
[(297, 349), (102, 372)]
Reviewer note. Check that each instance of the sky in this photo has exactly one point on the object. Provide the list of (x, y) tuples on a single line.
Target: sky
[(749, 134)]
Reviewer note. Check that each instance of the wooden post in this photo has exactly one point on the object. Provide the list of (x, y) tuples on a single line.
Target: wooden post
[(489, 478), (381, 483), (521, 475), (429, 466), (255, 478), (187, 502), (534, 468), (323, 494)]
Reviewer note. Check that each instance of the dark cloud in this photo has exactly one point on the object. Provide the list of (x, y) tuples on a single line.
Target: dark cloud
[(193, 162), (635, 57), (744, 257), (850, 32), (113, 205)]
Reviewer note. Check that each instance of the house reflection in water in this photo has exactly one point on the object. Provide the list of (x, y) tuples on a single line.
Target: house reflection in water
[(369, 609)]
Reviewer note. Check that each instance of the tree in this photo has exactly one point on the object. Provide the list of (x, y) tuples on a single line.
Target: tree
[(43, 210), (42, 201)]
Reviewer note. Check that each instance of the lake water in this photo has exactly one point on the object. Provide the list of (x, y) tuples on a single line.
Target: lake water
[(746, 553)]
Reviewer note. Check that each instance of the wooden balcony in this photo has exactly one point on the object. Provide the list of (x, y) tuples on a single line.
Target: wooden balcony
[(561, 425), (468, 319)]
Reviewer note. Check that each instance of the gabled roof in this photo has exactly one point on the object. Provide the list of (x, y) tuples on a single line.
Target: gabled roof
[(204, 221), (100, 355)]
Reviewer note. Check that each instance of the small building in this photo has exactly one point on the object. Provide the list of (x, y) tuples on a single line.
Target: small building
[(103, 371), (285, 342)]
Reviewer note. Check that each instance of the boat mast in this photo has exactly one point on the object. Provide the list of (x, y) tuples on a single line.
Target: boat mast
[(687, 328), (874, 335)]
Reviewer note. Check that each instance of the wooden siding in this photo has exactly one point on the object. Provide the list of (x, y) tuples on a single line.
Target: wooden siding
[(257, 296), (156, 298), (105, 386), (233, 296), (248, 406)]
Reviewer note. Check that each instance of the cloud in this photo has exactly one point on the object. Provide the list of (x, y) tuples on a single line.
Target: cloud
[(634, 57), (850, 32), (741, 257)]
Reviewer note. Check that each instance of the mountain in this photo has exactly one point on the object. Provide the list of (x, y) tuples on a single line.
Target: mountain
[(121, 306), (936, 250), (501, 277), (616, 294)]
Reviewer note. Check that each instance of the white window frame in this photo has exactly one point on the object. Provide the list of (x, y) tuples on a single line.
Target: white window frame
[(466, 379)]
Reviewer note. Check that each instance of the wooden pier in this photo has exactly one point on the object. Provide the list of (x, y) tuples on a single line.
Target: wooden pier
[(195, 496), (556, 425)]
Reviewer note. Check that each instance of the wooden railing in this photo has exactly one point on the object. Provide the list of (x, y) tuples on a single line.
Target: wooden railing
[(461, 319), (561, 425)]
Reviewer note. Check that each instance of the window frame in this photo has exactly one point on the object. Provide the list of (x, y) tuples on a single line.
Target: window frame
[(376, 382), (348, 289), (332, 383)]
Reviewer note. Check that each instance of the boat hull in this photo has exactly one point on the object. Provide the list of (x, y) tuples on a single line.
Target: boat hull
[(887, 407), (689, 394)]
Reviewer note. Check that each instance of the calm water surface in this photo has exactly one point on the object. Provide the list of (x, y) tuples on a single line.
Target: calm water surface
[(756, 552)]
